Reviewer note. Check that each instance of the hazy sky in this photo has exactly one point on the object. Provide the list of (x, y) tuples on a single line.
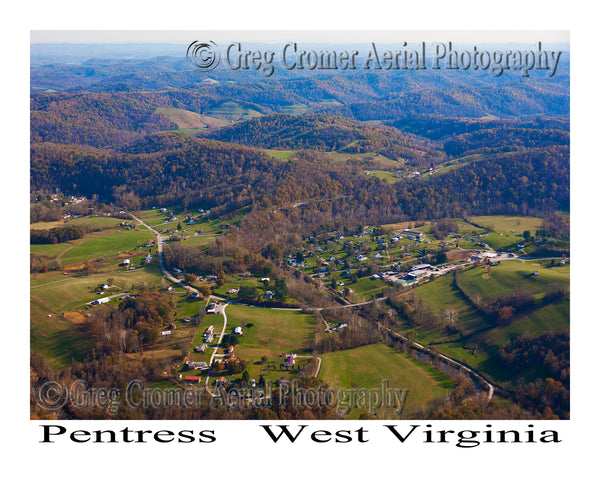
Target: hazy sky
[(265, 36)]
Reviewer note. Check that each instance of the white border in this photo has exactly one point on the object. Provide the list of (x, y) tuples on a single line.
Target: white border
[(241, 450)]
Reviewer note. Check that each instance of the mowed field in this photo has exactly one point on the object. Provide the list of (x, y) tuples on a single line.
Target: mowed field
[(481, 338), (506, 229), (71, 291), (109, 242), (442, 296), (269, 333), (369, 366), (90, 221), (186, 119), (104, 244), (59, 339), (389, 177), (272, 332), (509, 274), (233, 111), (504, 223)]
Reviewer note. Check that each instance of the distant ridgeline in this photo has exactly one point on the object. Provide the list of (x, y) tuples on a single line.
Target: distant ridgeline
[(131, 131)]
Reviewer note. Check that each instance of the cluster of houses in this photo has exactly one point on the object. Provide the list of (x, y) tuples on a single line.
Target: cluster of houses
[(293, 262), (209, 334)]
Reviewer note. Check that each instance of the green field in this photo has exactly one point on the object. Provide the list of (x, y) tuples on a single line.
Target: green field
[(551, 318), (233, 111), (368, 366), (442, 296), (75, 290), (384, 175), (103, 244), (460, 162), (380, 160), (366, 288), (509, 274), (268, 332), (480, 339), (294, 109), (504, 224), (90, 221), (280, 154), (273, 331), (49, 249)]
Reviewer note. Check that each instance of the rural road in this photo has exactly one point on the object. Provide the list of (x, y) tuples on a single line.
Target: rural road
[(455, 363), (212, 357), (161, 258)]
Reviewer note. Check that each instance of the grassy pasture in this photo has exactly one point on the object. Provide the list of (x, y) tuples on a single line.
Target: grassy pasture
[(441, 295), (551, 318), (233, 111), (368, 366), (294, 109), (504, 224), (283, 155), (76, 290), (384, 175), (188, 120), (273, 331), (49, 249), (103, 244), (381, 160), (509, 274)]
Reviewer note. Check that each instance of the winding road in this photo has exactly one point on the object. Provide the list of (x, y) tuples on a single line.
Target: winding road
[(161, 258), (160, 239)]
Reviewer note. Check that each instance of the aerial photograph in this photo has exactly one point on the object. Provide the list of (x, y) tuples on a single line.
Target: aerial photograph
[(299, 225)]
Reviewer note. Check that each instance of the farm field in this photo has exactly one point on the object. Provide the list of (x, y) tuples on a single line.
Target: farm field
[(233, 111), (504, 223), (90, 221), (381, 160), (442, 296), (59, 340), (283, 155), (272, 332), (76, 290), (384, 175), (368, 366), (480, 338), (104, 244), (294, 109), (187, 120), (269, 333), (509, 274)]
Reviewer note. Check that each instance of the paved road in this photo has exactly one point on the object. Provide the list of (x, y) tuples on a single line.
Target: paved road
[(160, 239), (212, 357), (161, 258), (318, 365), (455, 363)]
